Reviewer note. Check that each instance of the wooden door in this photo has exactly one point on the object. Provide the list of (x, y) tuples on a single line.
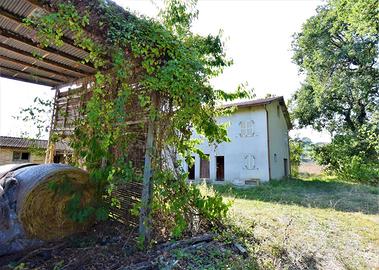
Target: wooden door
[(204, 168), (220, 168)]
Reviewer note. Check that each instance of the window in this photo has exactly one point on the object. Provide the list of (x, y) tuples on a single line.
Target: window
[(204, 168), (21, 156), (278, 110), (58, 158), (247, 128), (249, 162)]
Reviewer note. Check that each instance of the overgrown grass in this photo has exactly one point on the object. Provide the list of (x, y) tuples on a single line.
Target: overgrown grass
[(308, 224), (314, 193)]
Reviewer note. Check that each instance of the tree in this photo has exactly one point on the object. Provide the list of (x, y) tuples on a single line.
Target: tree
[(296, 150), (337, 51)]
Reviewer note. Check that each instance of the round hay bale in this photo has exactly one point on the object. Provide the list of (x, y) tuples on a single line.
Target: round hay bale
[(40, 209)]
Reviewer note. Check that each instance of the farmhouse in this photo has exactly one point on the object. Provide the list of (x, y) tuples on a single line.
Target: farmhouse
[(22, 150), (258, 150)]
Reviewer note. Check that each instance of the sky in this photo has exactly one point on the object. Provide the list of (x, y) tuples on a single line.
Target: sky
[(257, 37)]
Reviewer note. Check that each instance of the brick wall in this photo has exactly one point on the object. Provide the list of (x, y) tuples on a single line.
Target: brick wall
[(6, 156)]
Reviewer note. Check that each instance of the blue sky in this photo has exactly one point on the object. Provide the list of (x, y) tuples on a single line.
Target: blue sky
[(258, 37)]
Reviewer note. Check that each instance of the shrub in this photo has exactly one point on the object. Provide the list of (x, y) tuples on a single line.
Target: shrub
[(296, 150)]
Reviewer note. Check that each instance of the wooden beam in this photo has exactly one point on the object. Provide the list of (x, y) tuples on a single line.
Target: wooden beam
[(28, 74), (145, 224), (25, 80), (47, 50), (49, 158), (27, 65), (79, 73), (77, 81)]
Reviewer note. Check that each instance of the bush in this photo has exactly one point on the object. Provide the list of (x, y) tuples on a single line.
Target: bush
[(352, 157), (296, 150), (357, 170), (182, 208)]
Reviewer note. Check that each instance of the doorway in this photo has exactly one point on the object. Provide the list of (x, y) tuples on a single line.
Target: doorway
[(191, 171), (220, 168), (285, 167), (204, 167)]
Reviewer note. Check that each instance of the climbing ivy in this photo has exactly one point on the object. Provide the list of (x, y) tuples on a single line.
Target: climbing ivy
[(136, 57)]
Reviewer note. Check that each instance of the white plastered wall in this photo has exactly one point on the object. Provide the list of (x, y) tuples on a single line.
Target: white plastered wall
[(278, 133), (238, 148)]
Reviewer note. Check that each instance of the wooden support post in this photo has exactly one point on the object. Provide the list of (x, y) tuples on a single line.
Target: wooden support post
[(147, 190), (50, 150)]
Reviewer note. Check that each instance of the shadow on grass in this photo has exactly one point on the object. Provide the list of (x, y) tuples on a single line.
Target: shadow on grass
[(341, 196)]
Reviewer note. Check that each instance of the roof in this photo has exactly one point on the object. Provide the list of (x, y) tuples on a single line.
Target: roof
[(255, 102), (23, 143), (261, 102), (19, 46)]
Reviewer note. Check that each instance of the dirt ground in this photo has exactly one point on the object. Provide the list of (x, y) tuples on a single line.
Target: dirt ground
[(112, 245), (310, 168)]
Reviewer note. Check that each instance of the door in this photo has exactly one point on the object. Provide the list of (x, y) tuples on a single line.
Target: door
[(285, 167), (204, 168), (220, 168)]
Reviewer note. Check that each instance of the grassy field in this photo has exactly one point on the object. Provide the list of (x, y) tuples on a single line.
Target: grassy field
[(308, 224), (289, 224)]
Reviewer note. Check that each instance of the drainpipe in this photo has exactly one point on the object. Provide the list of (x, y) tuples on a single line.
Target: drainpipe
[(268, 144)]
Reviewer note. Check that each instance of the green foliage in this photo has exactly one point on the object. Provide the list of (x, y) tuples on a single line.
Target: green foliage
[(296, 150), (38, 114), (352, 157), (185, 203), (140, 57), (337, 51)]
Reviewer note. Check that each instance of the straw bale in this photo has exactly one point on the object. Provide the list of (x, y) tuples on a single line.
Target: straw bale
[(34, 210)]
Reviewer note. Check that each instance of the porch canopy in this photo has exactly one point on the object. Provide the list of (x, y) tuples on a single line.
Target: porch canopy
[(23, 59)]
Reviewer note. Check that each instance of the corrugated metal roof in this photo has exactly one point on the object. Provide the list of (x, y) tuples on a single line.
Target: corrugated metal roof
[(23, 143), (55, 66)]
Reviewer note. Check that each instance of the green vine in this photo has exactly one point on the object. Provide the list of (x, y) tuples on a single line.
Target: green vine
[(135, 57)]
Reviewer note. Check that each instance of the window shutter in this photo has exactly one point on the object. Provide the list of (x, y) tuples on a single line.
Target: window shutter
[(243, 129), (250, 128)]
